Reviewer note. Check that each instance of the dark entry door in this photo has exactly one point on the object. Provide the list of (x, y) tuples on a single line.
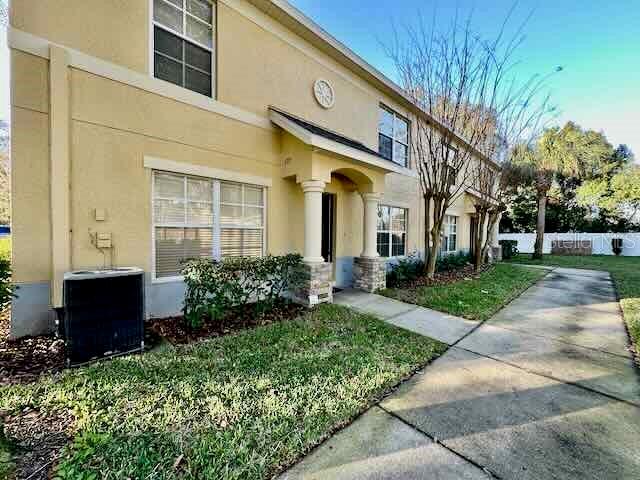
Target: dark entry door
[(472, 231), (328, 221)]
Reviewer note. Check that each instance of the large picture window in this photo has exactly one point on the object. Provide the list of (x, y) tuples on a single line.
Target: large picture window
[(449, 234), (183, 43), (392, 231), (393, 137), (195, 217)]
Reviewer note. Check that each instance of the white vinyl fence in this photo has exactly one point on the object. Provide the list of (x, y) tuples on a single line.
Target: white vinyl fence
[(600, 242)]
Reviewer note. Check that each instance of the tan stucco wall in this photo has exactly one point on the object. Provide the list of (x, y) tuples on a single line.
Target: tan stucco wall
[(114, 30), (114, 125)]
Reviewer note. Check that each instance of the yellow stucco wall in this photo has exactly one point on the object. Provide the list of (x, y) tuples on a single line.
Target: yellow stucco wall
[(114, 125)]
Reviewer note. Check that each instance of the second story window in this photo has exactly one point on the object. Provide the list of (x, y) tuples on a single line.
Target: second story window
[(393, 137), (183, 43)]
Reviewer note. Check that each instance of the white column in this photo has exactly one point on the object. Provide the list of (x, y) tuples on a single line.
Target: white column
[(313, 220), (369, 247)]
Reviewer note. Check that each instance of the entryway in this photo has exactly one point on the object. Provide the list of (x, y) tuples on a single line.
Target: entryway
[(328, 227)]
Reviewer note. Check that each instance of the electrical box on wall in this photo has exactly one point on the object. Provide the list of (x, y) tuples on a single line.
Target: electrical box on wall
[(103, 240), (100, 214)]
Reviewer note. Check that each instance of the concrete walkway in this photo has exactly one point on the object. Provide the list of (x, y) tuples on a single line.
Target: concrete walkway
[(545, 390)]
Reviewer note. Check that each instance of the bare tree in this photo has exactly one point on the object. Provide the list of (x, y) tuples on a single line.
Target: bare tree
[(468, 106)]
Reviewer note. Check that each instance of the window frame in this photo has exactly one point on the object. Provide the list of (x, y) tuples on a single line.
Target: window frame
[(396, 117), (215, 226), (182, 36), (446, 234), (391, 232)]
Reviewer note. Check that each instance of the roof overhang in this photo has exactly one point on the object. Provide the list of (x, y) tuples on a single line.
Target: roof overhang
[(331, 146)]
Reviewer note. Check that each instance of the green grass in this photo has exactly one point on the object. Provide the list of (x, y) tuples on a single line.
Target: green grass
[(6, 456), (240, 406), (625, 272), (477, 299)]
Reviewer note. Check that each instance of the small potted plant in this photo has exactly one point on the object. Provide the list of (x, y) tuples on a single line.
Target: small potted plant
[(616, 245)]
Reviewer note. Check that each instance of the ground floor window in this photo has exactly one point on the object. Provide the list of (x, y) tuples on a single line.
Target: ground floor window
[(197, 217), (392, 231), (449, 234)]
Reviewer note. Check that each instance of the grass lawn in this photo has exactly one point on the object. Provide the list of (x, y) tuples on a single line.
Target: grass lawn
[(240, 406), (625, 272), (478, 298)]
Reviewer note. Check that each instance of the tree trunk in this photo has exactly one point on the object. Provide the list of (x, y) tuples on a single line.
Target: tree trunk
[(433, 253), (492, 224), (479, 253), (542, 208), (439, 206), (427, 231)]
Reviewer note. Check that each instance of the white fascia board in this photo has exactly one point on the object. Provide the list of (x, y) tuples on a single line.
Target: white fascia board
[(332, 146)]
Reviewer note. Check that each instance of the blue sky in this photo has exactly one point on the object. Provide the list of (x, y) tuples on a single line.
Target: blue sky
[(596, 42)]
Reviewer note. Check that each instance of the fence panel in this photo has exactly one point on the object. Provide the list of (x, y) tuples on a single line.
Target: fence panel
[(601, 242)]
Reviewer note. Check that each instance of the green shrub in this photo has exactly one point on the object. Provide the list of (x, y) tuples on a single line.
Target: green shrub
[(406, 270), (446, 263), (6, 287), (509, 248), (214, 287)]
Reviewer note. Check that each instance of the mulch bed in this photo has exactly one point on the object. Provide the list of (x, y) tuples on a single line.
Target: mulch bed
[(178, 332), (444, 278), (23, 360), (37, 440)]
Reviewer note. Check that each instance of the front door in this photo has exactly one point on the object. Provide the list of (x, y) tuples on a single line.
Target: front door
[(328, 222)]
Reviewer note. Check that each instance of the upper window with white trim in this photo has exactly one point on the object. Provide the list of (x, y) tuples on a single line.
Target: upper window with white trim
[(196, 217), (183, 43), (393, 136), (392, 231)]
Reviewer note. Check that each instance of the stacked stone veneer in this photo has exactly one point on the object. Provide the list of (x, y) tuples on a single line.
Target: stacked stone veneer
[(369, 273), (316, 286)]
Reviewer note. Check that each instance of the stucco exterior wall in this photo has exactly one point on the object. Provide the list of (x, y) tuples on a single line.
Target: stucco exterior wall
[(114, 125)]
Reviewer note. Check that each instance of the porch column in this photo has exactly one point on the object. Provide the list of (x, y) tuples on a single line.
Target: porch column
[(370, 240), (369, 269), (313, 221)]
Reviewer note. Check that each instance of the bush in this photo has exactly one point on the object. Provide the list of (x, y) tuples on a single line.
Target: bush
[(446, 263), (214, 287), (6, 287), (509, 248), (616, 245), (406, 270)]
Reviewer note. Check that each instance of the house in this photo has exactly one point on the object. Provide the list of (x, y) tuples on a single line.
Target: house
[(147, 131)]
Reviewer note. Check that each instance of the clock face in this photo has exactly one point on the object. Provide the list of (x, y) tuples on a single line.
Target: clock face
[(323, 92)]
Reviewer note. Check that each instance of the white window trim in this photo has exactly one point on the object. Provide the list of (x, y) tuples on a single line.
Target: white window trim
[(212, 49), (157, 163), (396, 115), (391, 232), (445, 234), (216, 226)]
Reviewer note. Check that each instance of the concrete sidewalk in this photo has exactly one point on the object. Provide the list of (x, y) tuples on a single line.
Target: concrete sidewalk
[(431, 323), (545, 390)]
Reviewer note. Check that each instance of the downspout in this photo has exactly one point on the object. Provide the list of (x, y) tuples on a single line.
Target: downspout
[(60, 169)]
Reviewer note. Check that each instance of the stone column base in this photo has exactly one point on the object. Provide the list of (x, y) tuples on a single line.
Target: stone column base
[(316, 286), (495, 254), (369, 273)]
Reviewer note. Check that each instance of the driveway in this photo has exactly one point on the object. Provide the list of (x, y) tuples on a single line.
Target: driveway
[(544, 390)]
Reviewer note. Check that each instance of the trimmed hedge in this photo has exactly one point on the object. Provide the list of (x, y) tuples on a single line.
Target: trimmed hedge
[(214, 287)]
